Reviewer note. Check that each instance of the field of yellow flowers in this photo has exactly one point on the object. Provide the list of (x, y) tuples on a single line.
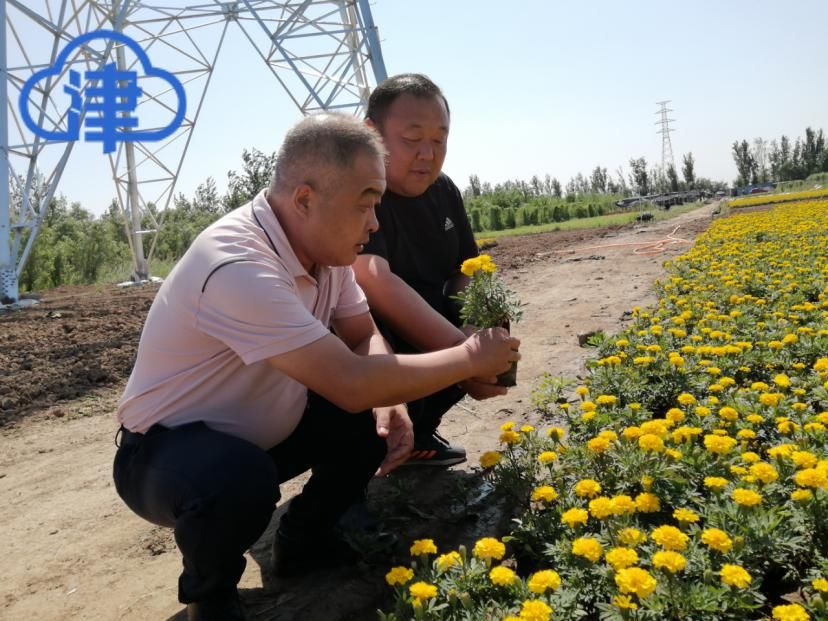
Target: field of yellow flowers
[(768, 199), (689, 479)]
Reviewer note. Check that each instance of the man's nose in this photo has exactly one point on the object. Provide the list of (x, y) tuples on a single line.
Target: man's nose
[(373, 223), (426, 151)]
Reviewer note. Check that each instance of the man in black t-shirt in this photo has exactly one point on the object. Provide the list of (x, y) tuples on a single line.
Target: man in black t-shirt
[(411, 267)]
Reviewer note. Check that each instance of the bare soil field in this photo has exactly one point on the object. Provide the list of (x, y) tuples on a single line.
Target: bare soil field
[(72, 550)]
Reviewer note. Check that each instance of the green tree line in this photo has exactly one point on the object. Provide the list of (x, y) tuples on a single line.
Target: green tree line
[(762, 161)]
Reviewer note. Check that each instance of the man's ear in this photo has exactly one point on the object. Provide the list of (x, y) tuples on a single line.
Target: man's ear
[(303, 196), (370, 123)]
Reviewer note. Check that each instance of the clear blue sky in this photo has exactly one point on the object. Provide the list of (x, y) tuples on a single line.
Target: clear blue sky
[(540, 87)]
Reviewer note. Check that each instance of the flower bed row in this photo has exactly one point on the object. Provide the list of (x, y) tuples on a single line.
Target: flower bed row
[(691, 481), (768, 199)]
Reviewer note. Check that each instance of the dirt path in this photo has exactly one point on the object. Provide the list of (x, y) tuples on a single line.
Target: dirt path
[(72, 550)]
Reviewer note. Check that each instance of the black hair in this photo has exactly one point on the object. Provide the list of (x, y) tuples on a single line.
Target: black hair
[(387, 92)]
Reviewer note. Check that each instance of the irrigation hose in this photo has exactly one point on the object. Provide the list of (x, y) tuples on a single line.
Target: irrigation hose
[(642, 248)]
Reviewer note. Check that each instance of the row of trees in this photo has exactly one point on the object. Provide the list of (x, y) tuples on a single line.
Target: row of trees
[(762, 161)]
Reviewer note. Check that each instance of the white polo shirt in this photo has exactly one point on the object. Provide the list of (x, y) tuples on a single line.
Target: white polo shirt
[(237, 297)]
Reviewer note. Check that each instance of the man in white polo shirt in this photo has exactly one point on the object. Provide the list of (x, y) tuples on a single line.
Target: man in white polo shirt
[(217, 412)]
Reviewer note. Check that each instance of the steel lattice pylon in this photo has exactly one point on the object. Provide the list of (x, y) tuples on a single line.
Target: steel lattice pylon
[(325, 53), (666, 143)]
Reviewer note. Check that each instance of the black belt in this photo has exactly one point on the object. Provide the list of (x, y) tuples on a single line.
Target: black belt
[(131, 438)]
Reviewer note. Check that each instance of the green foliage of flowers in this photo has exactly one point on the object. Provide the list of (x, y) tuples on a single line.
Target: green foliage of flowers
[(486, 302), (692, 481)]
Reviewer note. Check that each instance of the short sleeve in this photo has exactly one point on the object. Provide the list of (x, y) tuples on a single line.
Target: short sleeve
[(465, 236), (351, 301), (252, 308)]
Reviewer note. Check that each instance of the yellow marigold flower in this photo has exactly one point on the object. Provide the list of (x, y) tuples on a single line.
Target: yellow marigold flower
[(556, 433), (686, 515), (625, 342), (669, 537), (764, 472), (630, 433), (588, 548), (754, 419), (729, 413), (422, 591), (631, 536), (735, 576), (502, 576), (619, 558), (651, 442), (575, 517), (510, 437), (600, 507), (449, 560), (675, 415), (598, 445), (470, 266), (669, 560), (545, 580), (657, 427), (622, 505), (647, 503), (673, 454), (486, 263), (547, 457), (642, 360), (715, 388), (746, 497), (489, 548), (701, 411), (820, 584), (544, 493), (564, 406), (814, 427), (738, 470), (399, 575), (588, 406), (718, 444), (582, 391), (634, 406), (422, 547), (746, 434), (822, 417), (715, 483), (804, 459), (646, 482), (607, 399), (588, 416), (802, 495), (790, 612), (770, 398), (636, 581), (624, 602), (587, 488), (490, 459), (508, 426), (535, 610), (799, 407), (750, 457), (727, 381), (714, 370), (609, 435), (717, 539), (811, 477), (781, 451), (686, 399), (527, 429)]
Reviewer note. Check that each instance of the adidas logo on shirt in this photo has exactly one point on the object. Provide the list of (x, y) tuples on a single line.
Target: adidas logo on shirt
[(449, 224)]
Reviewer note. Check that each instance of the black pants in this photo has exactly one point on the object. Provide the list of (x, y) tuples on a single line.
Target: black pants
[(219, 492), (425, 413)]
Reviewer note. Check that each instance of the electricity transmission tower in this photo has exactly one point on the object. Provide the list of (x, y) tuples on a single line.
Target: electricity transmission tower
[(324, 53), (666, 144)]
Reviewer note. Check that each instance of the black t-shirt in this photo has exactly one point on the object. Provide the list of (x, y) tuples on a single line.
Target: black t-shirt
[(425, 239)]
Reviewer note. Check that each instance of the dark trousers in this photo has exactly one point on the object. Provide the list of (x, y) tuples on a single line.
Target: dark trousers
[(425, 413), (219, 492)]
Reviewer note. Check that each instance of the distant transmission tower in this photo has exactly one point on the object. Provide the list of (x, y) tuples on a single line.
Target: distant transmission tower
[(666, 143), (324, 53)]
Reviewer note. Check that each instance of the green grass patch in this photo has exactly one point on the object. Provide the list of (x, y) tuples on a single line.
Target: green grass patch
[(595, 222)]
